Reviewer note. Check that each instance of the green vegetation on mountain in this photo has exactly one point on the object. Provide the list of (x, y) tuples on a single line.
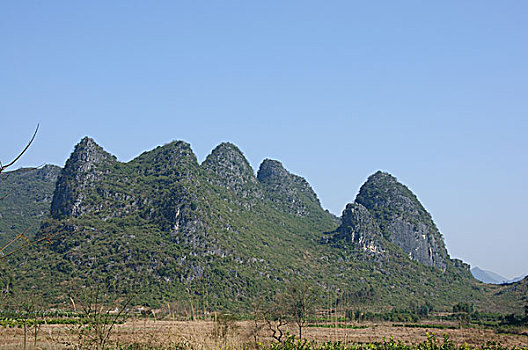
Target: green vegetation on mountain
[(168, 224), (514, 296), (216, 235), (26, 196)]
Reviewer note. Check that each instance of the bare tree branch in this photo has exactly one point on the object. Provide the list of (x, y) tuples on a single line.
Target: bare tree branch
[(19, 236), (47, 238), (3, 167)]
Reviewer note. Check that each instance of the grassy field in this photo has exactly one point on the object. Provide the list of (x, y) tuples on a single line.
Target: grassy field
[(168, 334)]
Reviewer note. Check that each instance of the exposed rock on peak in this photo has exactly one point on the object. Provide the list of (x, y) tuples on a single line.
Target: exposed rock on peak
[(290, 190), (402, 219), (272, 171), (358, 228), (88, 154), (87, 163), (229, 167)]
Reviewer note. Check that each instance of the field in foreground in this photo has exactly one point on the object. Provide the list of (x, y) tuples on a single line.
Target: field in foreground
[(150, 334)]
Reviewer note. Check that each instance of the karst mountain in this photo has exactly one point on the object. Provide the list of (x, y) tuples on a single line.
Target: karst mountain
[(168, 228)]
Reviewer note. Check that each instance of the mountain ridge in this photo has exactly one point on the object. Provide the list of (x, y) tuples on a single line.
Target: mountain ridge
[(176, 226)]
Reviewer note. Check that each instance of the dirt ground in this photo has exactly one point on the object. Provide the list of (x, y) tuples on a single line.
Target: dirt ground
[(210, 335)]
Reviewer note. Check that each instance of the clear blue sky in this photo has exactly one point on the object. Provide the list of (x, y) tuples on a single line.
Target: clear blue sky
[(434, 92)]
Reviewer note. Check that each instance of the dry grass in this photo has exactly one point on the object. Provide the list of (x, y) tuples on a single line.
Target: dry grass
[(205, 335)]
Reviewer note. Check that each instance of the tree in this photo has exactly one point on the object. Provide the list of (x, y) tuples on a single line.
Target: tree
[(100, 312), (299, 303), (274, 317), (26, 309)]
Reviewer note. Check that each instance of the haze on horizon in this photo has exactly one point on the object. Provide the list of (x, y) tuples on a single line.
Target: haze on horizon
[(434, 93)]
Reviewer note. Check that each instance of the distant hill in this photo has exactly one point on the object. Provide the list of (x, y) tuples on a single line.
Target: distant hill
[(517, 279), (488, 276), (492, 277), (173, 230)]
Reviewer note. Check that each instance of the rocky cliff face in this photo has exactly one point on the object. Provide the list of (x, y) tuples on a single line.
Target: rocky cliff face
[(86, 166), (288, 190), (403, 220), (358, 229)]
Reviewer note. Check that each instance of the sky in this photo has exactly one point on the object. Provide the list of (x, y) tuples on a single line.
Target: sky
[(434, 92)]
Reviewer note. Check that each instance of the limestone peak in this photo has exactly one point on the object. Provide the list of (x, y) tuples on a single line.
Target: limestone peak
[(230, 166), (292, 191), (402, 219), (271, 170)]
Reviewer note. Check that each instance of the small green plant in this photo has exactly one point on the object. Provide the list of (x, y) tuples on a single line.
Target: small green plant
[(291, 344), (431, 343)]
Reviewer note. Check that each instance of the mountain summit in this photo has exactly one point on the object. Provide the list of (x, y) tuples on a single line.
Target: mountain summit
[(87, 165), (229, 168), (289, 190), (403, 220)]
